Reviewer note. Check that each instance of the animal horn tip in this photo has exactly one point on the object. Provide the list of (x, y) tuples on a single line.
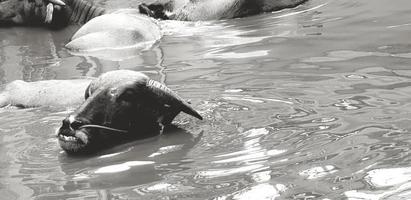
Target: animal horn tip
[(199, 117), (157, 88), (193, 113), (58, 2)]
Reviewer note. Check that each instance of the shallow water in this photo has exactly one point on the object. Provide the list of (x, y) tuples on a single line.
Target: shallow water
[(305, 103)]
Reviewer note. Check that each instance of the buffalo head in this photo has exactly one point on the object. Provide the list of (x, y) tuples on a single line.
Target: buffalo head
[(120, 106)]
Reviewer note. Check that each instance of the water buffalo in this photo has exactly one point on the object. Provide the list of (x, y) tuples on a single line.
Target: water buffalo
[(201, 10), (120, 105), (54, 13), (58, 13), (105, 31), (102, 30)]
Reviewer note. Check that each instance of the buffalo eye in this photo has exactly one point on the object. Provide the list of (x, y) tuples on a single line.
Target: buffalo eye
[(76, 125)]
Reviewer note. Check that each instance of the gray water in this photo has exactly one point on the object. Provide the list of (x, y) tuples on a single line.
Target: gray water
[(305, 103)]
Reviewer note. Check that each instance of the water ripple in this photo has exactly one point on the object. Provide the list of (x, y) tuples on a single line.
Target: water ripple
[(305, 103)]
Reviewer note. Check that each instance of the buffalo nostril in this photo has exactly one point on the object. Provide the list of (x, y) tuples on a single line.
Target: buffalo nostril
[(65, 123), (76, 124)]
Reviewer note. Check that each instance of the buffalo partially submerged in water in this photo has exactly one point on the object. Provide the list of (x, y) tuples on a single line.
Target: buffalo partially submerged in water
[(120, 106), (56, 13), (102, 30), (126, 28), (196, 10), (61, 12)]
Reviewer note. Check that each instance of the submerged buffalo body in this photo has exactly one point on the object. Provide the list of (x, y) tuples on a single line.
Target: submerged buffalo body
[(127, 29), (55, 13), (196, 10), (101, 31), (123, 29), (120, 105), (61, 12), (53, 93)]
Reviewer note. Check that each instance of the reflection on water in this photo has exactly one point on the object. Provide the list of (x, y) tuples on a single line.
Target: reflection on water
[(306, 103)]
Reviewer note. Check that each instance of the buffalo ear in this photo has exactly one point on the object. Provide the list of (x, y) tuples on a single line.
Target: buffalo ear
[(169, 98), (87, 92)]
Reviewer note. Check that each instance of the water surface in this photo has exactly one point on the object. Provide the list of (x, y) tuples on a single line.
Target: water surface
[(305, 103)]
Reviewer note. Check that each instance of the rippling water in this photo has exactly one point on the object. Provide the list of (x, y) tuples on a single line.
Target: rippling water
[(305, 103)]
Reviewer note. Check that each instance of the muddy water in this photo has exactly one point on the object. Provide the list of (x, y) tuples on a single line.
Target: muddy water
[(306, 103)]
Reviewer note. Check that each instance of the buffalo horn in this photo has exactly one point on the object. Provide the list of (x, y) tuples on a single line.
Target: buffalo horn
[(165, 93), (58, 2), (49, 13)]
